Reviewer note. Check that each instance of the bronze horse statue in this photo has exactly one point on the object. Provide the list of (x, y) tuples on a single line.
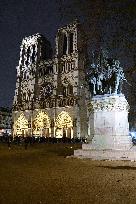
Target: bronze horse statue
[(109, 80)]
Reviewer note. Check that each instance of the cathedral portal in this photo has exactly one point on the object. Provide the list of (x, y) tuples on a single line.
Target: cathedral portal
[(64, 125), (21, 126), (41, 125)]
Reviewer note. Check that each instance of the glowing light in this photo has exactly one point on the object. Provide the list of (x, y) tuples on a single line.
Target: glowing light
[(64, 120), (42, 120), (22, 122), (21, 125)]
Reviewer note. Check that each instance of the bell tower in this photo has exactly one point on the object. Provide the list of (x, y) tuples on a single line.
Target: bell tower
[(71, 59), (33, 50)]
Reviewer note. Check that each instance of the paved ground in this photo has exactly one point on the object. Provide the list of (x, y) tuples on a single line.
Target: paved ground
[(42, 175)]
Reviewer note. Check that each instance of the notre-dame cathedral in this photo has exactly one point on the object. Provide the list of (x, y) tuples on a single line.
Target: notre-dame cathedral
[(50, 97)]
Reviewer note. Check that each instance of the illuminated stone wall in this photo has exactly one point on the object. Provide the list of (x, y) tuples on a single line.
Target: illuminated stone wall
[(53, 85)]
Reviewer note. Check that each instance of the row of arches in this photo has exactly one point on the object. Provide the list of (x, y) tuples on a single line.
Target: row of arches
[(43, 104), (66, 67), (41, 125), (62, 102), (45, 71)]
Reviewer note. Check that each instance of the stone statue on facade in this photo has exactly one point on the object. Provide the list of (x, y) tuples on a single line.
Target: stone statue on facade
[(106, 77)]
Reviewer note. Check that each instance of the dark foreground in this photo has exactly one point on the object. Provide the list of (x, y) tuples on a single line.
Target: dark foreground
[(41, 174)]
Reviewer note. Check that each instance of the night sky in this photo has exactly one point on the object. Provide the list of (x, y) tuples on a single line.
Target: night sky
[(110, 24)]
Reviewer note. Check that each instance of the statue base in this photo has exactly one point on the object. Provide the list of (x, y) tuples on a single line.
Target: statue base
[(109, 130), (94, 154)]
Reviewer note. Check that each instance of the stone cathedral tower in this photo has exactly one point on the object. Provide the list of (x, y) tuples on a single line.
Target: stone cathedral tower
[(50, 93)]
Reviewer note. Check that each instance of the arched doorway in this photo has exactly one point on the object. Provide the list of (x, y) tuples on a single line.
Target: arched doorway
[(21, 126), (42, 124), (64, 125)]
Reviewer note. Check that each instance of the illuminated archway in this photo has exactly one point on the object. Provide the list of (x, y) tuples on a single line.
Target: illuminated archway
[(21, 125), (64, 125), (42, 124)]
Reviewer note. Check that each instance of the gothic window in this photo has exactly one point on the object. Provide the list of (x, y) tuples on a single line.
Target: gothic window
[(69, 66), (54, 102), (51, 104), (65, 65), (23, 53), (72, 102), (33, 54), (63, 68), (24, 96), (75, 101), (44, 72), (71, 43), (49, 69), (60, 103), (56, 68), (48, 104), (64, 102), (29, 94), (44, 104), (40, 72), (60, 69), (72, 65), (24, 75), (64, 44), (68, 102), (28, 54)]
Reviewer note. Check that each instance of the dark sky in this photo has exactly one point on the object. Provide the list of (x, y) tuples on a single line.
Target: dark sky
[(20, 18), (110, 22)]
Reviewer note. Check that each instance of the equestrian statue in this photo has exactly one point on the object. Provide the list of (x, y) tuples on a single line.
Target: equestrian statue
[(106, 77)]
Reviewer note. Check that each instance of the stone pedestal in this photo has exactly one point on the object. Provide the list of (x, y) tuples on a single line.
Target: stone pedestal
[(109, 129)]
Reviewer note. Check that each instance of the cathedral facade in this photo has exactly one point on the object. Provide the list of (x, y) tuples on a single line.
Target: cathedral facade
[(51, 96)]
